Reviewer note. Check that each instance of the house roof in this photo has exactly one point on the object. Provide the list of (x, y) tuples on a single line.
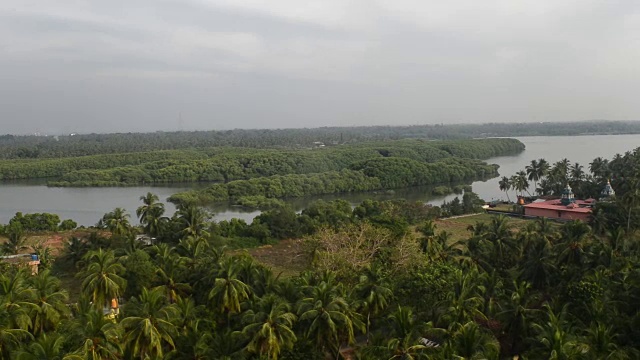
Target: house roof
[(579, 206)]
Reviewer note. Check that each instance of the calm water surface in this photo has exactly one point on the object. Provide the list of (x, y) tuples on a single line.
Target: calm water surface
[(87, 205)]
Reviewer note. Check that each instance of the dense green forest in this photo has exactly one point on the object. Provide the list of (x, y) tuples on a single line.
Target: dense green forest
[(375, 174), (380, 281), (223, 165), (36, 147)]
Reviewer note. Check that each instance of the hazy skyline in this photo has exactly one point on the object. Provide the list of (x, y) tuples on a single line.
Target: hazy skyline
[(112, 66)]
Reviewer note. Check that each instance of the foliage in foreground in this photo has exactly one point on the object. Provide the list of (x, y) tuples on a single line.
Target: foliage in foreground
[(373, 288)]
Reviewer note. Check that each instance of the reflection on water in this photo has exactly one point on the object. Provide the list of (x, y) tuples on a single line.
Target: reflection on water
[(87, 205)]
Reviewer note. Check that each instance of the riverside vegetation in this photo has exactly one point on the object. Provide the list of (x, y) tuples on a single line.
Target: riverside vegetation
[(245, 176), (380, 282)]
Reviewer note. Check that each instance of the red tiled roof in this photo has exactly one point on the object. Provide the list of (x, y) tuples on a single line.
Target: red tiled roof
[(557, 205)]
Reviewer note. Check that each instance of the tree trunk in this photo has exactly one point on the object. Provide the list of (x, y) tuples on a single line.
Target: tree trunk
[(368, 325)]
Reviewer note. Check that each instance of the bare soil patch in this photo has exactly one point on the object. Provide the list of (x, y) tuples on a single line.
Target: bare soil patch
[(287, 257)]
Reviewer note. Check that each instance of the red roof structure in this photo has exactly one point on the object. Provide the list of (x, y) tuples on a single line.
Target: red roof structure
[(555, 209)]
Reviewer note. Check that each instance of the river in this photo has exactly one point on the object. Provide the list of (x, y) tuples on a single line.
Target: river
[(87, 205)]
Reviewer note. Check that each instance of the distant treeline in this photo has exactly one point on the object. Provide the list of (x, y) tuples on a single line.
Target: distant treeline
[(224, 165), (36, 147)]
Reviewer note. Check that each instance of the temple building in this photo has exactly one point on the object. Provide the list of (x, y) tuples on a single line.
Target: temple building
[(566, 208), (607, 194)]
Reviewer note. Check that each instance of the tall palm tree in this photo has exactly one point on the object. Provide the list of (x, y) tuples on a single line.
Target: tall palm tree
[(117, 221), (429, 241), (170, 271), (517, 313), (543, 168), (269, 327), (602, 342), (193, 219), (102, 281), (228, 291), (51, 302), (533, 173), (328, 318), (16, 241), (190, 315), (556, 339), (374, 293), (537, 264), (463, 303), (521, 183), (192, 247), (577, 173), (75, 249), (559, 175), (571, 247), (630, 199), (150, 214), (404, 343), (599, 167), (18, 300), (10, 337), (505, 185), (99, 337), (149, 324), (46, 347), (471, 342)]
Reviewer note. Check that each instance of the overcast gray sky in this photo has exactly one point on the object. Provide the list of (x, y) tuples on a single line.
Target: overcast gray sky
[(136, 65)]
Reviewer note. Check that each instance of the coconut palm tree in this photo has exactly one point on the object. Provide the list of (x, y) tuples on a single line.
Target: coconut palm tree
[(328, 318), (463, 302), (521, 184), (116, 221), (404, 343), (150, 214), (373, 292), (537, 264), (193, 220), (75, 249), (102, 281), (269, 326), (555, 338), (149, 324), (543, 168), (533, 173), (228, 291), (602, 343), (631, 199), (505, 185), (99, 337), (16, 241), (46, 347), (517, 313), (577, 173), (571, 247), (170, 271), (51, 302), (10, 337), (17, 300), (599, 167), (469, 341)]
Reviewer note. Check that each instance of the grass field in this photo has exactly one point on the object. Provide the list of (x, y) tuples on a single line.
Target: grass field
[(457, 227), (286, 257)]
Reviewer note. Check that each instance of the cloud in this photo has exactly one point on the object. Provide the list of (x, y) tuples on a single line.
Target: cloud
[(302, 63)]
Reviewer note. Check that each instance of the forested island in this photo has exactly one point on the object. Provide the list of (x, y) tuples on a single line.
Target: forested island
[(384, 280), (237, 173)]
